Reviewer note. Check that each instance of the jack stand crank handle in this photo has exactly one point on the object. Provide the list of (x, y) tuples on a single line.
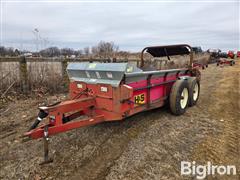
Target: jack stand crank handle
[(35, 124), (41, 115), (46, 150)]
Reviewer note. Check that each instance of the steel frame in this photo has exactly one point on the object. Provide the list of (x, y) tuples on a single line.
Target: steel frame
[(86, 108)]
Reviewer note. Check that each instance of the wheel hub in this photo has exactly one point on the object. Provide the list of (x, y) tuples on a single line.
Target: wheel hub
[(195, 92), (184, 98)]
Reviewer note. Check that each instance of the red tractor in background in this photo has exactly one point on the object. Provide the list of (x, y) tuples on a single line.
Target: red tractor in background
[(231, 54), (238, 54)]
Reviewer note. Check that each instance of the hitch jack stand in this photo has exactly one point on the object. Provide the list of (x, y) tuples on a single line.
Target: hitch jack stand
[(46, 150)]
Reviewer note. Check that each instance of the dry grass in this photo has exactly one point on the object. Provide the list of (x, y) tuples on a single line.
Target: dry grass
[(9, 74), (42, 76), (47, 76)]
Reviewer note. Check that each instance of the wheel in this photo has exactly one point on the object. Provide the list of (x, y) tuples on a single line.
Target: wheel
[(217, 64), (194, 90), (231, 63), (179, 97)]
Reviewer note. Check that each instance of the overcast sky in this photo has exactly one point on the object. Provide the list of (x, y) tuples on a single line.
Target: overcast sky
[(130, 25)]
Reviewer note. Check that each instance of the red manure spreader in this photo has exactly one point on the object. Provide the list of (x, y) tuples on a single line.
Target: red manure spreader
[(102, 92)]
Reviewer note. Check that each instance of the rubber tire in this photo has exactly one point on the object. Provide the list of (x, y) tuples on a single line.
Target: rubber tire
[(175, 97), (217, 64), (191, 83)]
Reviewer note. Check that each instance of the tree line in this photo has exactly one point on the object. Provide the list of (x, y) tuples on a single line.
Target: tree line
[(101, 50)]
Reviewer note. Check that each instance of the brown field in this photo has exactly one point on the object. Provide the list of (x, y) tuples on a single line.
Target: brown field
[(149, 145)]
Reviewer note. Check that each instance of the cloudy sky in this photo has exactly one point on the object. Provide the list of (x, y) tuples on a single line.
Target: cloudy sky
[(131, 25)]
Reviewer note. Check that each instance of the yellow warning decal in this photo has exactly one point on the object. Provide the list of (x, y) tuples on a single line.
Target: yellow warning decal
[(92, 65), (130, 69), (139, 99)]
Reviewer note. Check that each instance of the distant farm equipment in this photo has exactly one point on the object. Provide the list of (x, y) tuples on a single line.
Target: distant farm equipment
[(231, 54), (200, 65), (197, 49), (202, 61), (238, 54), (215, 54), (225, 61)]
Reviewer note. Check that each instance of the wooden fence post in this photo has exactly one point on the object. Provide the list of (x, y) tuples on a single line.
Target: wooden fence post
[(23, 74), (64, 73), (138, 63)]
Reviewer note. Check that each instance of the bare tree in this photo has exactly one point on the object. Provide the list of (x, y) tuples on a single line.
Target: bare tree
[(123, 54), (78, 53), (105, 49), (94, 51), (7, 51), (2, 51), (67, 51), (50, 52), (86, 51)]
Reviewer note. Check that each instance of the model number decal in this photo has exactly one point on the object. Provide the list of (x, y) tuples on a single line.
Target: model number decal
[(139, 99)]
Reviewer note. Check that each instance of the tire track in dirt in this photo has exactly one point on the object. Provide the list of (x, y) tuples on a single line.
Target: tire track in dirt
[(149, 145), (100, 163), (224, 148), (176, 141)]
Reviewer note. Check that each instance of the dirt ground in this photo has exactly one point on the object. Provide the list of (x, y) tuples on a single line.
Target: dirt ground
[(149, 145)]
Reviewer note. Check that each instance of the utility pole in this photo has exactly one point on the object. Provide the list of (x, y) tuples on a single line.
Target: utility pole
[(36, 34)]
